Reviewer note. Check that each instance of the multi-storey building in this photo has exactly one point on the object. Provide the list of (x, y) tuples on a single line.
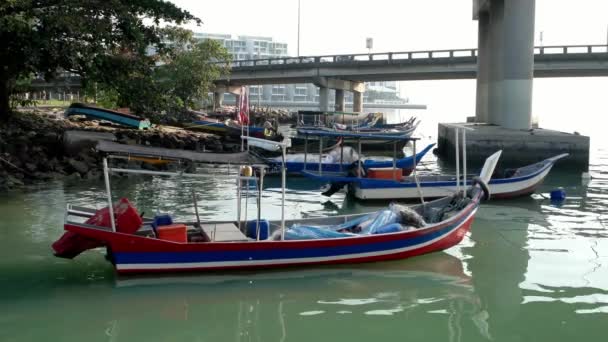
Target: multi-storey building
[(254, 47)]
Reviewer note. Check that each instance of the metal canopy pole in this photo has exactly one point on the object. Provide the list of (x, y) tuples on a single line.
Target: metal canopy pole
[(261, 187), (416, 177), (238, 197), (457, 161), (305, 150), (109, 193), (283, 196), (360, 167), (341, 153), (395, 160), (246, 200), (320, 155), (464, 158)]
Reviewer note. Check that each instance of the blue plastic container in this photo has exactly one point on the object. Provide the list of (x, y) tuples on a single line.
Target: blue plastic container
[(252, 229), (161, 220), (558, 195)]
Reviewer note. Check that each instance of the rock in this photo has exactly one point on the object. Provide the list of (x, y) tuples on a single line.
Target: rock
[(43, 175), (56, 175), (78, 166), (12, 181), (73, 177), (92, 174), (31, 167), (87, 158)]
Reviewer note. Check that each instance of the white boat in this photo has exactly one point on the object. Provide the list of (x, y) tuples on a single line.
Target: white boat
[(522, 181)]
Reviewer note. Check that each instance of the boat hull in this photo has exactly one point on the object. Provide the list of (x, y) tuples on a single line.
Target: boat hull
[(223, 129), (108, 115), (138, 254), (407, 164), (499, 188)]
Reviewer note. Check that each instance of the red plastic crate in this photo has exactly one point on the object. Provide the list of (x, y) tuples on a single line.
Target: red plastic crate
[(173, 232)]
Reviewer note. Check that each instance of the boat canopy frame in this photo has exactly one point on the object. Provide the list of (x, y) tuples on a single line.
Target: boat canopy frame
[(360, 138), (239, 178)]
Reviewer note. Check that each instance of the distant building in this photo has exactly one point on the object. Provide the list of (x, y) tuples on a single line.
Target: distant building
[(254, 47)]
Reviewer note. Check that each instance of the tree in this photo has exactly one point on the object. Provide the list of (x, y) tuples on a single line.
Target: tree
[(189, 75), (40, 37), (168, 80)]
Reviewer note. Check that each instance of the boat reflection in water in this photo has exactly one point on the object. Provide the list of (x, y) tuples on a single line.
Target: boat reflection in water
[(392, 297)]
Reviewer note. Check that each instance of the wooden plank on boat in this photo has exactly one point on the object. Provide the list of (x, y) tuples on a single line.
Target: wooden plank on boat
[(223, 232)]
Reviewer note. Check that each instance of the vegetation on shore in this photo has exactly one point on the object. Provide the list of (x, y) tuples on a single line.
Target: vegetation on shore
[(34, 147), (126, 52)]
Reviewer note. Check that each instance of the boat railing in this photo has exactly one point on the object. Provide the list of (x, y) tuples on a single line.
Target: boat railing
[(240, 178)]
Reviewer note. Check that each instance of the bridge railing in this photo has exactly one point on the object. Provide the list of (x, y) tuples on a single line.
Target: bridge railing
[(409, 55)]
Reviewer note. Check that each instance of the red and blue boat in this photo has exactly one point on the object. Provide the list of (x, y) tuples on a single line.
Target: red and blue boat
[(143, 245)]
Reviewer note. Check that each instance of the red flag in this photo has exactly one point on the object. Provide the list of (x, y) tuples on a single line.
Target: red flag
[(244, 106)]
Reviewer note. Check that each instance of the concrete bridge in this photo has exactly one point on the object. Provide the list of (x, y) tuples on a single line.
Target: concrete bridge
[(348, 72)]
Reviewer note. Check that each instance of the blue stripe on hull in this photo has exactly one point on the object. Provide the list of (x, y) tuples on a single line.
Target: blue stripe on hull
[(218, 256), (98, 114), (312, 165), (388, 184)]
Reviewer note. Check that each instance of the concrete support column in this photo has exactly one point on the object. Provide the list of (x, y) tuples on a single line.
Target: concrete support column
[(339, 100), (495, 56), (518, 71), (218, 99), (324, 99), (357, 102), (483, 51)]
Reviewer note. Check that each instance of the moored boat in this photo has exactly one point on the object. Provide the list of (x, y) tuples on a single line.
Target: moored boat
[(511, 183), (113, 116), (340, 159), (137, 245)]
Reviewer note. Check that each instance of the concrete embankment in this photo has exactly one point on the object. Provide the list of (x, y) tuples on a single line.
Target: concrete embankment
[(519, 147), (40, 147)]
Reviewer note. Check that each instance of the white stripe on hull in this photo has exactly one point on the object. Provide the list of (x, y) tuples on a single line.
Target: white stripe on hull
[(291, 261), (443, 191)]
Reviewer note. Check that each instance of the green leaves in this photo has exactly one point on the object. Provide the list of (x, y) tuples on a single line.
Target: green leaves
[(84, 36)]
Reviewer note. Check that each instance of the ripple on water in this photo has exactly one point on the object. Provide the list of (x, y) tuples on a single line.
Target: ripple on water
[(312, 313)]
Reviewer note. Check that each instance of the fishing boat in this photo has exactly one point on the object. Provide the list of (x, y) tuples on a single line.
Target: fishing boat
[(511, 183), (340, 159), (113, 116), (233, 129), (372, 124), (142, 245)]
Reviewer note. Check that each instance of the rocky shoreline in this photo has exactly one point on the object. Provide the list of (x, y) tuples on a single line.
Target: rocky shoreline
[(35, 146)]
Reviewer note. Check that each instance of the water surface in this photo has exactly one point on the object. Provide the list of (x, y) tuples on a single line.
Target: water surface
[(529, 270)]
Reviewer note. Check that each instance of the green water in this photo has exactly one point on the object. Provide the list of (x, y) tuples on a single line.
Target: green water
[(528, 271)]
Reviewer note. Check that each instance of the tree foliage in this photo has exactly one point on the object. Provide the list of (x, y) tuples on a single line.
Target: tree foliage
[(87, 37), (170, 80)]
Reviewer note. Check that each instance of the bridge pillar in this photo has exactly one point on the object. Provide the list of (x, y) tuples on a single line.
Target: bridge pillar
[(324, 99), (481, 110), (339, 100), (518, 64), (505, 62), (218, 99), (495, 60), (357, 102)]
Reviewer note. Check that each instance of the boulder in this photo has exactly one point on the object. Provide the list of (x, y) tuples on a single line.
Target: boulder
[(78, 166), (12, 181), (31, 167)]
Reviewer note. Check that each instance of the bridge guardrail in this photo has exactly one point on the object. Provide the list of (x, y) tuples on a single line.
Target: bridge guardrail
[(389, 57)]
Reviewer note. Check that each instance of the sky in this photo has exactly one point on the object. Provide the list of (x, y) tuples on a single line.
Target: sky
[(341, 26)]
